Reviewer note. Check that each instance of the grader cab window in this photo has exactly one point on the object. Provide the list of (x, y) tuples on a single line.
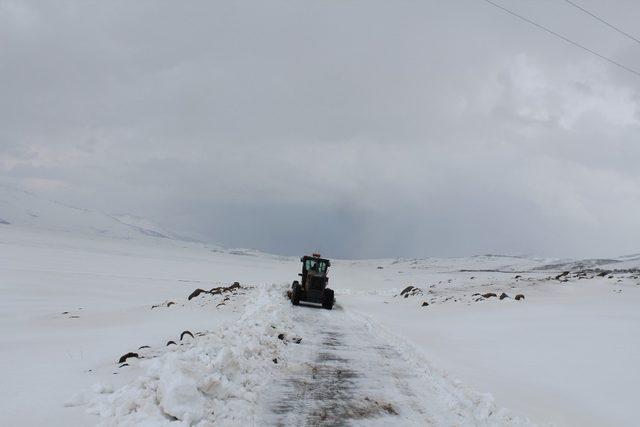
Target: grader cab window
[(314, 265)]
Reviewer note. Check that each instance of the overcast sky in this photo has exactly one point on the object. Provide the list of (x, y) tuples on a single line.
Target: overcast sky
[(358, 128)]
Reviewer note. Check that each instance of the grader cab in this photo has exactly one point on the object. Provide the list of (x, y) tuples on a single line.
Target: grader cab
[(312, 287)]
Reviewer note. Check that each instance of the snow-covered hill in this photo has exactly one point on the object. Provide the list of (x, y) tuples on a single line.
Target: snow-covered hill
[(25, 209), (73, 304), (79, 289)]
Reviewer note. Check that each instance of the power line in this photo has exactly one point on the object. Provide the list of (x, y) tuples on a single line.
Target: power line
[(593, 15), (550, 31)]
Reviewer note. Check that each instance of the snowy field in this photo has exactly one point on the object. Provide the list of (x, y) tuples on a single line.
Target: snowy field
[(72, 303)]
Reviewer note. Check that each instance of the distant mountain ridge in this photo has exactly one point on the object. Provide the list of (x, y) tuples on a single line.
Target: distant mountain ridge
[(23, 208)]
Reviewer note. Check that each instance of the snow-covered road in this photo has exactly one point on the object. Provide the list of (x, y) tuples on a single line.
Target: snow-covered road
[(345, 372), (276, 364), (341, 373)]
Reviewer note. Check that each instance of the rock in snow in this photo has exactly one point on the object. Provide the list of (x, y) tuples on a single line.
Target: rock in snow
[(185, 333), (124, 357)]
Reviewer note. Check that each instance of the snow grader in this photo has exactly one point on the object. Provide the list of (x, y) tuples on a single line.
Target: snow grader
[(313, 288)]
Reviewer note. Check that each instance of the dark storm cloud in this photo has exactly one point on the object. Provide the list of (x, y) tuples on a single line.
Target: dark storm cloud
[(359, 128)]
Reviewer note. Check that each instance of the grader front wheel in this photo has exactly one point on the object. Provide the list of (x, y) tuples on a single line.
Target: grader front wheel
[(296, 291), (327, 301)]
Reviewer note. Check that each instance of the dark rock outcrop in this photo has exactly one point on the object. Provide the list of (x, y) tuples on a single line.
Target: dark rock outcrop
[(124, 357), (216, 291), (410, 291), (406, 290), (182, 335), (166, 304), (195, 293)]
